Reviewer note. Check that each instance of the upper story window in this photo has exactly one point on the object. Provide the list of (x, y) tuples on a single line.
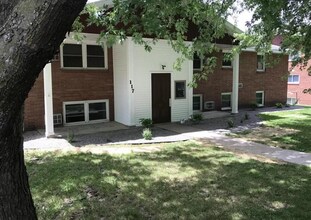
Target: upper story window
[(293, 79), (197, 62), (72, 55), (226, 60), (260, 63), (85, 55)]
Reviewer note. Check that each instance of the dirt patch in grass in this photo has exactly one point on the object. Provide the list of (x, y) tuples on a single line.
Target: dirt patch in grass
[(243, 155), (267, 135)]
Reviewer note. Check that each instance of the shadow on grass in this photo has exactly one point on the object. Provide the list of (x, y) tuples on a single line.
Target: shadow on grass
[(184, 181), (299, 121)]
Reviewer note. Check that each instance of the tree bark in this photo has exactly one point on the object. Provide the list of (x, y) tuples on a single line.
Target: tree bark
[(30, 33)]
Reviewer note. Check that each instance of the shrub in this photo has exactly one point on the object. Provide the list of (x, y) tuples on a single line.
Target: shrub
[(146, 122), (246, 116), (70, 137), (230, 123), (253, 105), (147, 134), (196, 118), (278, 105)]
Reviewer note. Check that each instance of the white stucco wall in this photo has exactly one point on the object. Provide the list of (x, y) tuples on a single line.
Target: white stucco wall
[(137, 69)]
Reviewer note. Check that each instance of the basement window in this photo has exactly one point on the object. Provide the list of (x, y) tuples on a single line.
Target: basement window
[(226, 101), (260, 99), (80, 112)]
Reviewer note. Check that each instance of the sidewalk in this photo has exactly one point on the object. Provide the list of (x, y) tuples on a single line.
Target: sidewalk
[(219, 138), (209, 130)]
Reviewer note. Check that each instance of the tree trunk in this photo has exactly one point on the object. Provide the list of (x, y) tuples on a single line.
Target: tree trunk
[(30, 33)]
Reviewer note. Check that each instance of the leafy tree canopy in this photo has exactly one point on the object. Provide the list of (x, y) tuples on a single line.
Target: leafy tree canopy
[(170, 19)]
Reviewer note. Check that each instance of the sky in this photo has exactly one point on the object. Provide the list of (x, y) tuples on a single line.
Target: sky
[(238, 20)]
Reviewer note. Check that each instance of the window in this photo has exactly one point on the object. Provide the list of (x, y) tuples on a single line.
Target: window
[(197, 102), (260, 98), (225, 101), (180, 89), (226, 60), (72, 55), (95, 56), (260, 63), (293, 79), (197, 62), (85, 111), (294, 56), (291, 101), (83, 55)]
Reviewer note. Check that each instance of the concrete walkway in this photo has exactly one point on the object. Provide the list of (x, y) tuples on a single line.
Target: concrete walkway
[(219, 138)]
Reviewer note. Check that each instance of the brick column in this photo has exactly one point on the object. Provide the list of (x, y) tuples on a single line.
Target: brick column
[(48, 100), (235, 84)]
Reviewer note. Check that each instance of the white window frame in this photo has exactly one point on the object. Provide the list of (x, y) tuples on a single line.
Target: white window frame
[(201, 65), (86, 111), (292, 76), (201, 102), (263, 98), (223, 56), (185, 84), (263, 65), (226, 93), (291, 101), (90, 39)]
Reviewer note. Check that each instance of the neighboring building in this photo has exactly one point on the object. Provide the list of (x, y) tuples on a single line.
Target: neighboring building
[(299, 85), (299, 80), (87, 84)]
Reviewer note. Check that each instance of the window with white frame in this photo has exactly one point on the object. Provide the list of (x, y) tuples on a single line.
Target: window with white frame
[(180, 89), (226, 101), (293, 79), (197, 103), (260, 63), (291, 101), (197, 62), (78, 112), (85, 55), (226, 60), (260, 98)]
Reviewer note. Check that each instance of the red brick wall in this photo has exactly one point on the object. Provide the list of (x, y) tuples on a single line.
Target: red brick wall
[(70, 85), (296, 90), (273, 81)]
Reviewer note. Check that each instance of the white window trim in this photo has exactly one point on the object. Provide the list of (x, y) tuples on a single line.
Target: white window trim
[(199, 69), (90, 39), (263, 98), (294, 83), (263, 65), (180, 81), (291, 101), (222, 66), (226, 93), (201, 102), (86, 112)]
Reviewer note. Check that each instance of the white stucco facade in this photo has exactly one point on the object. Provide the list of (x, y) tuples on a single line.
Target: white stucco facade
[(133, 67)]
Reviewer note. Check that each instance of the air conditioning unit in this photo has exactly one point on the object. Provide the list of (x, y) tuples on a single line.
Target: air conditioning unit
[(57, 119), (209, 105)]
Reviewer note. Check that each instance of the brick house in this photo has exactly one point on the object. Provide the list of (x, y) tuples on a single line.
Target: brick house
[(299, 85), (86, 84), (299, 80)]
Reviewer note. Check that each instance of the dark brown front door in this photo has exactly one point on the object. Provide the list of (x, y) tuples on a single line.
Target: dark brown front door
[(161, 94)]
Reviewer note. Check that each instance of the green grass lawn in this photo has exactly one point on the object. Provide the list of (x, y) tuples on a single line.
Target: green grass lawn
[(299, 121), (182, 181)]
